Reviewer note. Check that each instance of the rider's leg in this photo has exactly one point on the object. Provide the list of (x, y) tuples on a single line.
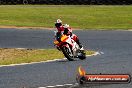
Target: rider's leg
[(75, 38)]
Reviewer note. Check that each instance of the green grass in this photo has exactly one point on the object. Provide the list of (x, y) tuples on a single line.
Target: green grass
[(83, 17), (16, 56)]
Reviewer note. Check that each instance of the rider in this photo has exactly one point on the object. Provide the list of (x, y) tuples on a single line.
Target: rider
[(60, 29), (65, 29)]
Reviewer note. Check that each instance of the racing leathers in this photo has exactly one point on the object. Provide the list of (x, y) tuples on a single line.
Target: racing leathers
[(67, 31)]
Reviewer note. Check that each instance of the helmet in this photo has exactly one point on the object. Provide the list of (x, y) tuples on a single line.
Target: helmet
[(58, 23)]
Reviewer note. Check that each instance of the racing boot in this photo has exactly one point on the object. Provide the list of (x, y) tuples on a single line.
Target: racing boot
[(80, 45)]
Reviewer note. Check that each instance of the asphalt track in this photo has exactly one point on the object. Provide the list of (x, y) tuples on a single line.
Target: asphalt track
[(117, 58)]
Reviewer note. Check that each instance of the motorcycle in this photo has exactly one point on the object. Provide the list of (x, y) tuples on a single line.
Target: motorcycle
[(70, 48)]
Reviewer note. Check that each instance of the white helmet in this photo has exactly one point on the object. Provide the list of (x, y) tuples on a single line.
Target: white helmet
[(58, 21), (66, 26)]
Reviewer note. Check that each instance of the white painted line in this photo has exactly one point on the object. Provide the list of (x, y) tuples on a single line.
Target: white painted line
[(31, 63), (68, 84), (59, 85), (97, 53), (50, 86), (101, 52)]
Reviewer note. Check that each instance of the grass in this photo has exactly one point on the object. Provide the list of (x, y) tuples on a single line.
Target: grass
[(16, 56), (83, 17)]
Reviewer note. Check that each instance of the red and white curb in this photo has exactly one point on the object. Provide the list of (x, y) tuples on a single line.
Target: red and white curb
[(65, 85)]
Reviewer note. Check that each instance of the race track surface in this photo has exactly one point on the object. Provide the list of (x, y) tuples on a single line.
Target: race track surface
[(117, 58)]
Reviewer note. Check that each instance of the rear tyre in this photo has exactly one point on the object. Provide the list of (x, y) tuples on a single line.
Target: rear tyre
[(67, 53), (83, 55)]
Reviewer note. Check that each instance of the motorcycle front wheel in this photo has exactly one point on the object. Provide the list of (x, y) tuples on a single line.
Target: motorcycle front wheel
[(67, 53)]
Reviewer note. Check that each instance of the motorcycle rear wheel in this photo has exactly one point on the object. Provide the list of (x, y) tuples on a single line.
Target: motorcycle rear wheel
[(83, 55)]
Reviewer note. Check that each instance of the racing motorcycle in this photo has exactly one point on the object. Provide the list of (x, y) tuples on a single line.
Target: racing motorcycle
[(70, 48)]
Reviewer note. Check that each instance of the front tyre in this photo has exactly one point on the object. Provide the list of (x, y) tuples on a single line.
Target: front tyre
[(67, 53)]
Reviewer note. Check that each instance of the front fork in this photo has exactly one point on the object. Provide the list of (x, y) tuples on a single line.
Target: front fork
[(69, 49)]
